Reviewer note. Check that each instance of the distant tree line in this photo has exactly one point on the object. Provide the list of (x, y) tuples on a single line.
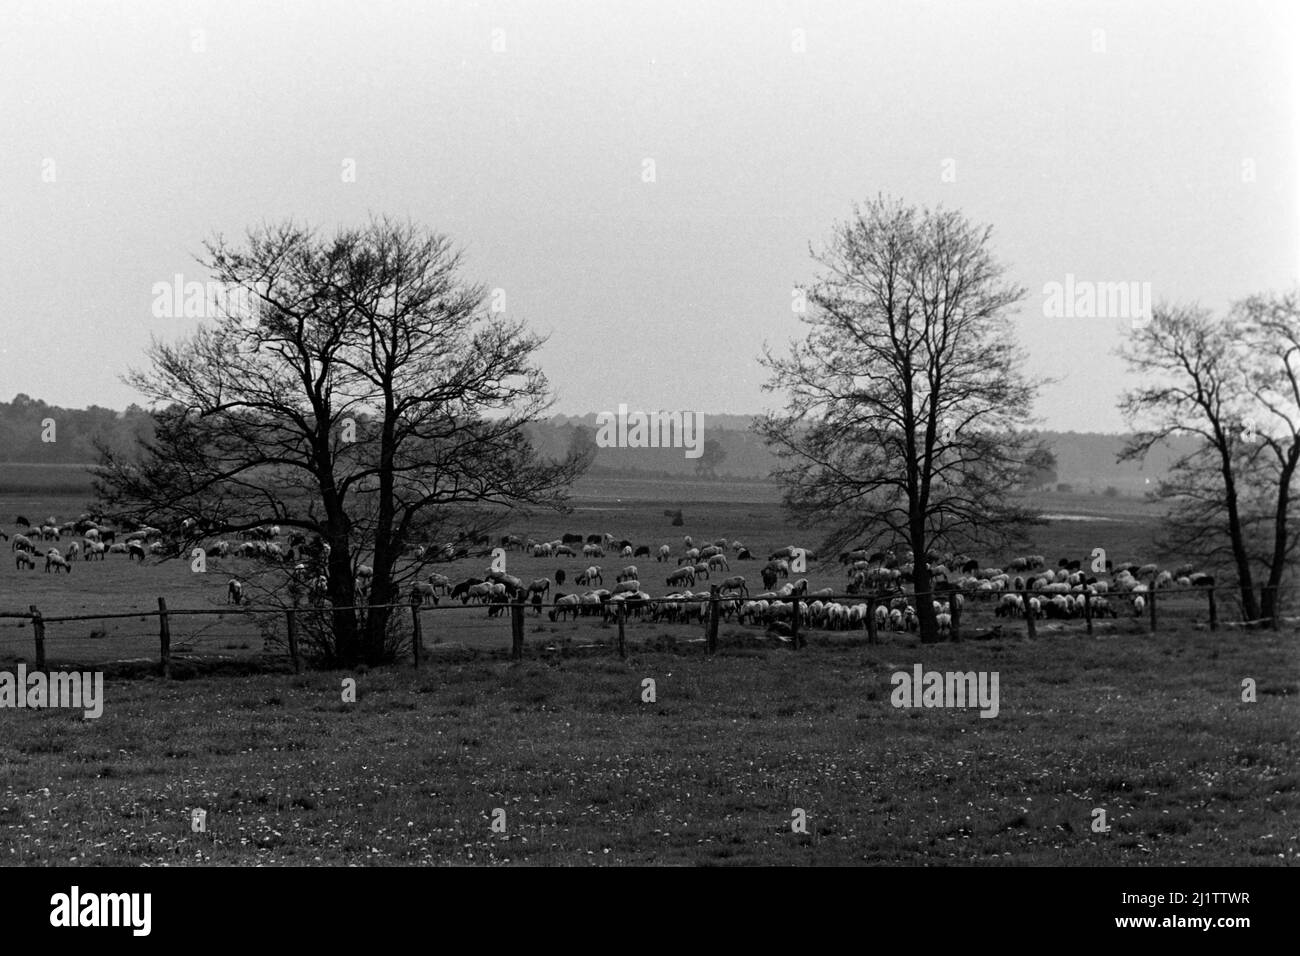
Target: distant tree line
[(33, 431)]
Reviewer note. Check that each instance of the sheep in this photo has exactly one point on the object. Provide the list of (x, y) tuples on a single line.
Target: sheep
[(663, 553), (593, 551), (736, 583), (684, 576), (690, 557), (718, 561), (1139, 605), (25, 560), (589, 577), (423, 592), (629, 573), (540, 586), (565, 550), (22, 543), (440, 582), (702, 570), (234, 591), (565, 604), (57, 561), (559, 576), (135, 549), (642, 551)]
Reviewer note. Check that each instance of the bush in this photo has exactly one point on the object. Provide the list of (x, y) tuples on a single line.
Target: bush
[(1111, 491), (1065, 487)]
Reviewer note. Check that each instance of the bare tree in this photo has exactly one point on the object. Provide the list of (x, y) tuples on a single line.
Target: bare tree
[(1195, 387), (367, 399), (1232, 384), (1268, 345), (904, 398)]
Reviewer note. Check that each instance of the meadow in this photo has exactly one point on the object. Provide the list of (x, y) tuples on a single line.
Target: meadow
[(586, 769)]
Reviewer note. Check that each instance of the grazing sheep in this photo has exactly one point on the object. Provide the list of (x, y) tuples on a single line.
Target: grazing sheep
[(642, 551), (589, 577), (702, 571), (744, 555), (737, 584), (684, 576), (626, 552), (593, 551), (25, 560), (22, 543), (559, 576), (57, 561), (540, 586), (565, 604), (424, 592), (663, 553), (629, 573), (234, 591), (135, 549), (718, 561)]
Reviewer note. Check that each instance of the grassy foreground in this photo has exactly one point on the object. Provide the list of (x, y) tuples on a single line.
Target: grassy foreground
[(1152, 730)]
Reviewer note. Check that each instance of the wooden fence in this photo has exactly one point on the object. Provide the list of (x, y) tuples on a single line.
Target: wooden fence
[(710, 617)]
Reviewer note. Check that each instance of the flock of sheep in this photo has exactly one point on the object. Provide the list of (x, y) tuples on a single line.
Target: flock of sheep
[(1026, 587), (90, 542)]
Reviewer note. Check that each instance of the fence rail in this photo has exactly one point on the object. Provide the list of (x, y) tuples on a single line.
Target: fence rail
[(712, 605)]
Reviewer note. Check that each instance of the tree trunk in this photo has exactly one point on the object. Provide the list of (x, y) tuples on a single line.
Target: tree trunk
[(342, 594), (925, 603)]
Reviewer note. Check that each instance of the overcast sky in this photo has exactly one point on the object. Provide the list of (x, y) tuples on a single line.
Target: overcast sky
[(1135, 142)]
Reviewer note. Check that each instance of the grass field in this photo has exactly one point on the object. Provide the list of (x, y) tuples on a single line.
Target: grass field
[(1152, 729)]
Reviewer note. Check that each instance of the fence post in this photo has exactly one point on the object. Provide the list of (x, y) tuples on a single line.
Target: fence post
[(713, 619), (1087, 607), (1214, 611), (871, 619), (165, 638), (1153, 610), (1031, 626), (954, 611), (38, 629), (794, 623), (417, 636), (622, 638), (516, 631), (291, 625)]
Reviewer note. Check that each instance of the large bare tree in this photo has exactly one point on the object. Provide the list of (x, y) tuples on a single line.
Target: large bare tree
[(905, 397), (367, 398)]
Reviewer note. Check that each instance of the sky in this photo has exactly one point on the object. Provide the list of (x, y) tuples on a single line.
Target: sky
[(643, 181)]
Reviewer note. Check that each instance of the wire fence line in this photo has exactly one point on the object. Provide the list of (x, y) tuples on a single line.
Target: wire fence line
[(715, 604)]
